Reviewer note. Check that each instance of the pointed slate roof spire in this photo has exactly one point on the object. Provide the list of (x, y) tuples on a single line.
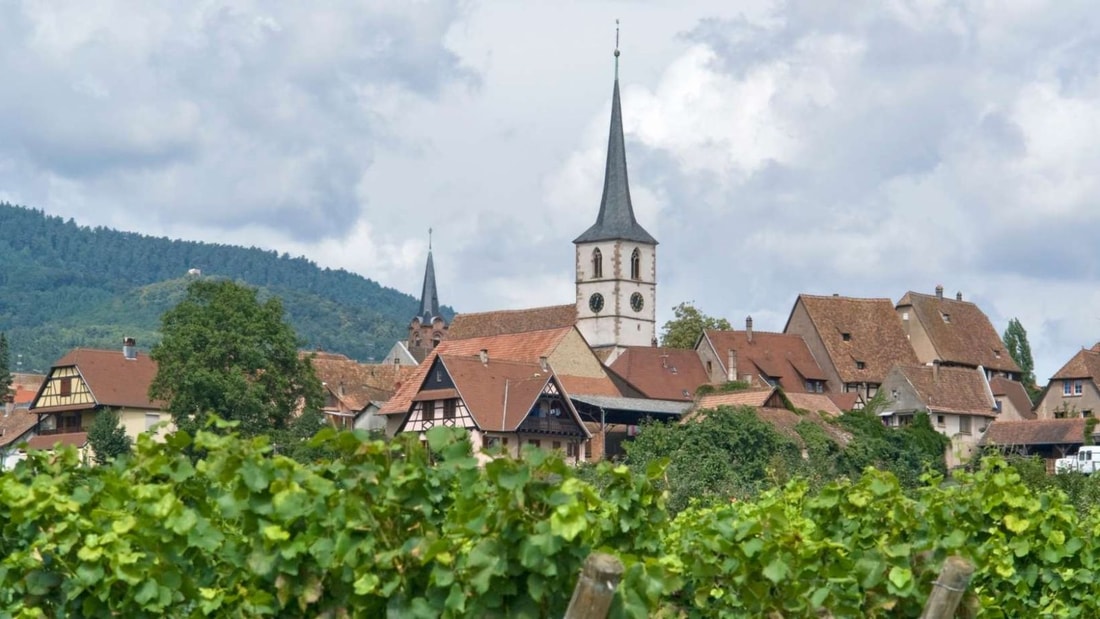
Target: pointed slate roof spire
[(616, 219), (429, 297)]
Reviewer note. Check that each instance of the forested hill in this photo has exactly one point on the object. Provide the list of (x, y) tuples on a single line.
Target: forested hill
[(63, 285)]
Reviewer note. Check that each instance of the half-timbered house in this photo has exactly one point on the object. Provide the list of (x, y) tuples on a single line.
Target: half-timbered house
[(503, 404)]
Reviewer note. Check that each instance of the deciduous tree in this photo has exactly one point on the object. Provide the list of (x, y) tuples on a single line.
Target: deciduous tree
[(689, 323), (224, 351)]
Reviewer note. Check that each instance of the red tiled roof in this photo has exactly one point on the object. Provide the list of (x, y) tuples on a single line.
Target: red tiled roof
[(48, 441), (522, 347), (959, 332), (781, 356), (14, 425), (355, 385), (24, 396), (950, 389), (1015, 393), (589, 385), (875, 335), (1036, 432), (748, 397), (662, 373), (113, 379), (814, 402), (1085, 364), (485, 324), (844, 401)]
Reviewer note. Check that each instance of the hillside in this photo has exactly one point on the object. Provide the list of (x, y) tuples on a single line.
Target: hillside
[(64, 285)]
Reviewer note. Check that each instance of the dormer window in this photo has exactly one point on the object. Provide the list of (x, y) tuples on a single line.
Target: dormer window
[(635, 264), (860, 365), (597, 263), (946, 317), (847, 337)]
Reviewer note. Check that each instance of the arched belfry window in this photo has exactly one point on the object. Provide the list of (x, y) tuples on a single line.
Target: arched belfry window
[(597, 263), (635, 264)]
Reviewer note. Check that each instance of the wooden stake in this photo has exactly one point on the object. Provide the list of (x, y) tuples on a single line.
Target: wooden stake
[(948, 589), (595, 588)]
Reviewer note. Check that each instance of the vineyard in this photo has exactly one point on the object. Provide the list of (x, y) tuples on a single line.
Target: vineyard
[(425, 532)]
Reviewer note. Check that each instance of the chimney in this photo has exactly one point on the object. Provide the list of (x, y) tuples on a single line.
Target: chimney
[(484, 356), (544, 363), (748, 328), (731, 365), (959, 296), (340, 389), (128, 348), (935, 371), (939, 291)]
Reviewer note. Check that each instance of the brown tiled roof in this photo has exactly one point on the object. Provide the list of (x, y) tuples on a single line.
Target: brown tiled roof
[(589, 385), (815, 402), (875, 335), (968, 338), (486, 324), (662, 373), (113, 379), (1085, 364), (48, 441), (522, 347), (748, 397), (950, 390), (1036, 432), (844, 401), (356, 384), (782, 356), (25, 396), (500, 394), (15, 425), (1015, 393)]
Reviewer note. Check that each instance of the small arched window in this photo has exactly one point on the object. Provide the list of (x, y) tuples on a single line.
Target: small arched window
[(597, 263), (635, 264)]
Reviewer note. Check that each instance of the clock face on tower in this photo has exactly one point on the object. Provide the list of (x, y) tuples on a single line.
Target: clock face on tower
[(595, 302), (637, 302)]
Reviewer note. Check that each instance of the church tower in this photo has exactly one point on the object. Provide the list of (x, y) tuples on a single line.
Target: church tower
[(616, 258), (428, 327)]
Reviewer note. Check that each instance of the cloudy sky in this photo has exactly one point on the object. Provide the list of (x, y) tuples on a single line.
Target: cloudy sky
[(775, 147)]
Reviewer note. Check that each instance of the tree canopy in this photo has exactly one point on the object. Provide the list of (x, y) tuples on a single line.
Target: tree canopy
[(107, 437), (224, 351), (1015, 341), (689, 323), (5, 365)]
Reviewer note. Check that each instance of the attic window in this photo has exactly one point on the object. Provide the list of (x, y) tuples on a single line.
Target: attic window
[(996, 353), (686, 393), (860, 365), (673, 370), (438, 376), (847, 337), (946, 317)]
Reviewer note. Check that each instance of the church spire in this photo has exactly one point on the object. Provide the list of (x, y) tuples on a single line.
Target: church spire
[(429, 298), (616, 219)]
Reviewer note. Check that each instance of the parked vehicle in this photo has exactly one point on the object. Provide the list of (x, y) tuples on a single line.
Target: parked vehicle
[(1086, 460)]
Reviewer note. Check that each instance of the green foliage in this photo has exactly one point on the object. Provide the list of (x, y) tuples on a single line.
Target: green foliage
[(5, 366), (727, 387), (1015, 341), (906, 452), (227, 353), (688, 324), (65, 286), (107, 437)]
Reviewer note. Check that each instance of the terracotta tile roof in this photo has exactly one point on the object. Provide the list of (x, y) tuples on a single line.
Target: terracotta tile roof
[(815, 402), (662, 373), (959, 332), (355, 385), (1085, 364), (1036, 432), (782, 356), (485, 324), (522, 347), (950, 390), (875, 335), (13, 426), (586, 385), (844, 401), (48, 441), (28, 381), (500, 394), (748, 397), (25, 396), (113, 379), (1015, 393)]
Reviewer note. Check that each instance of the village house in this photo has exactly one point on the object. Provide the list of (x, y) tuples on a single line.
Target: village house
[(355, 392), (1048, 439), (1074, 390), (760, 358), (855, 341), (661, 373)]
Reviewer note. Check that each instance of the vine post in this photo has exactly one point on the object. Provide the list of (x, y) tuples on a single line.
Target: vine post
[(948, 589), (595, 588)]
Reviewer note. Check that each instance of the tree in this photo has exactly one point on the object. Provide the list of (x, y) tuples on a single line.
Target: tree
[(689, 324), (1015, 340), (5, 366), (107, 437), (223, 351)]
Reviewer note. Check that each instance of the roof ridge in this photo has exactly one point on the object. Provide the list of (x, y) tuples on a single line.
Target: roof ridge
[(518, 310)]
